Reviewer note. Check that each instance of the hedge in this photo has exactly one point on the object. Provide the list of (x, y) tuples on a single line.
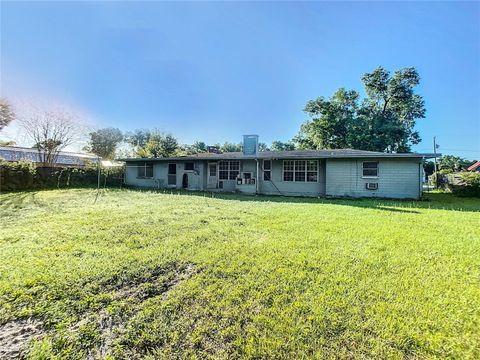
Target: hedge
[(466, 184), (24, 175)]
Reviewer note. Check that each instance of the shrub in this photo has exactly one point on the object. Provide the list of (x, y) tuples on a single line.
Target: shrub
[(17, 175), (27, 176), (467, 184)]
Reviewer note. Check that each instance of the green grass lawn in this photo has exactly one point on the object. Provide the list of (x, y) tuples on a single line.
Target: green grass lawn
[(160, 275)]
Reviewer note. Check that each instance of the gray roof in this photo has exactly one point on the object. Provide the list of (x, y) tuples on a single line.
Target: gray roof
[(295, 154), (18, 153)]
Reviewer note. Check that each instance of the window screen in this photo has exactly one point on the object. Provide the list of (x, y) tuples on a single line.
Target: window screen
[(228, 170), (267, 170), (370, 169), (312, 171), (300, 170), (288, 167), (145, 170), (212, 169)]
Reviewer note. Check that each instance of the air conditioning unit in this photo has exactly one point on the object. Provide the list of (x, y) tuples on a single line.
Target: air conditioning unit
[(371, 186)]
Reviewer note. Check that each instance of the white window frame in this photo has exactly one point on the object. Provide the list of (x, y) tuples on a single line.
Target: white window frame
[(371, 176), (305, 170), (144, 166), (229, 169), (317, 166)]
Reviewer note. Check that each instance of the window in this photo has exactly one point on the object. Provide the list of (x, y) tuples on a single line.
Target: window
[(234, 169), (312, 171), (189, 166), (288, 167), (300, 170), (212, 170), (145, 170), (267, 170), (223, 170), (370, 169), (172, 174), (228, 170)]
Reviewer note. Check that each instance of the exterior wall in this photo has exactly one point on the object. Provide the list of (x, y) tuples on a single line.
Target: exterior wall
[(397, 178), (249, 165), (132, 179), (279, 187), (160, 175)]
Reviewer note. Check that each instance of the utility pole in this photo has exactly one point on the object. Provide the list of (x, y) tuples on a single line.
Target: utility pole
[(435, 160)]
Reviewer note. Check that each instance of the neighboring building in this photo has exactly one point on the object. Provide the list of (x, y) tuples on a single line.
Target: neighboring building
[(64, 158), (329, 173), (475, 167)]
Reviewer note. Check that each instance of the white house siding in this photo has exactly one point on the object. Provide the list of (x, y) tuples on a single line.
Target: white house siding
[(249, 165), (195, 177), (160, 175), (397, 178), (132, 179), (279, 187)]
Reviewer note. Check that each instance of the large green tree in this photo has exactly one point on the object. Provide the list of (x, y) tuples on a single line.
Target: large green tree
[(451, 163), (104, 142), (382, 121), (282, 146), (230, 147), (6, 113), (152, 143)]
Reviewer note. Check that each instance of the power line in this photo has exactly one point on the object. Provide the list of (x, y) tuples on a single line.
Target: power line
[(442, 148)]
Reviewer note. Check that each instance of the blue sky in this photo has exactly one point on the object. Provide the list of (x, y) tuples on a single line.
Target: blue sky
[(213, 71)]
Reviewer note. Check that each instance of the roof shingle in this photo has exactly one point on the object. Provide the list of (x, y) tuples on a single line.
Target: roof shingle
[(295, 154)]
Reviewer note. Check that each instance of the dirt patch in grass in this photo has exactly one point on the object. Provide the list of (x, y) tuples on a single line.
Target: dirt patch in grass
[(157, 284), (15, 336), (98, 326), (131, 293)]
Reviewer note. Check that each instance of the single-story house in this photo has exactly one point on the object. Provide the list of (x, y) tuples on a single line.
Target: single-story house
[(64, 158), (318, 173)]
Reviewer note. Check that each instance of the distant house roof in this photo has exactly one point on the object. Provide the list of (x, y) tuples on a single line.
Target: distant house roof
[(18, 153), (295, 154), (474, 167)]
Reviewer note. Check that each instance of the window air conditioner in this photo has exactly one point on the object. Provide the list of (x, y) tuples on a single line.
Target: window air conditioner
[(371, 186)]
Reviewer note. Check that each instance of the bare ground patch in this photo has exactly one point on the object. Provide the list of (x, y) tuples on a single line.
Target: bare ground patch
[(15, 336), (110, 327), (157, 284)]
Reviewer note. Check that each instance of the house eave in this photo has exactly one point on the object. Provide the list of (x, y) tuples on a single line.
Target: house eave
[(288, 155)]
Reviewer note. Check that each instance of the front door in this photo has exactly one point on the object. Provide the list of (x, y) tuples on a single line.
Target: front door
[(212, 175)]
